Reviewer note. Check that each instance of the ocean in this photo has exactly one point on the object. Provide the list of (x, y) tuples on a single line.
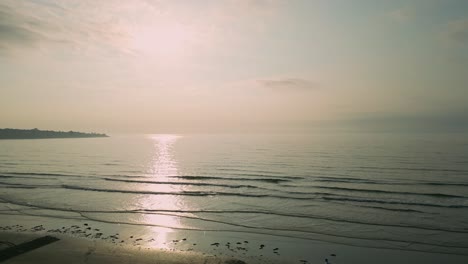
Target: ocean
[(391, 191)]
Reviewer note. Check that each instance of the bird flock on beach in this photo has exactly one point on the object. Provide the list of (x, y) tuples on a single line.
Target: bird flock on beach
[(85, 230)]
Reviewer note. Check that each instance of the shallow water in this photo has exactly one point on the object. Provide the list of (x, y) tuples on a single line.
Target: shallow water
[(372, 190)]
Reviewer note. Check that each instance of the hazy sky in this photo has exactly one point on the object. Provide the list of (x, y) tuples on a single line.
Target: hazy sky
[(236, 65)]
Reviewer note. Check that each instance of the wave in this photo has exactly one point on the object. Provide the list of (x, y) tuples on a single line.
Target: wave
[(323, 196), (269, 180), (412, 169), (363, 200), (14, 184), (246, 170), (444, 184), (18, 187), (299, 195), (185, 183), (219, 185), (49, 186), (390, 192), (385, 182), (53, 175), (307, 216), (302, 195), (267, 175), (395, 209), (28, 186), (183, 193), (263, 178), (345, 179), (125, 176)]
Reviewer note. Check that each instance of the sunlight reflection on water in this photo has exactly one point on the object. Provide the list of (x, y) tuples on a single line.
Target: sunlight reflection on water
[(161, 168)]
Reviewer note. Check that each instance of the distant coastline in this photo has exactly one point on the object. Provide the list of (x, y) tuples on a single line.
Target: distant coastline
[(10, 133)]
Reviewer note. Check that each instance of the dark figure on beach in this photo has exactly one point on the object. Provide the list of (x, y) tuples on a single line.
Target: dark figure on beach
[(326, 261)]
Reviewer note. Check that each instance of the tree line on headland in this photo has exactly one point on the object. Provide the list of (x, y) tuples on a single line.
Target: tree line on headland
[(10, 133)]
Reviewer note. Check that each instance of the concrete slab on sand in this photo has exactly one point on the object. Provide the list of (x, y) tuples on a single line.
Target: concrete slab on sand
[(25, 247)]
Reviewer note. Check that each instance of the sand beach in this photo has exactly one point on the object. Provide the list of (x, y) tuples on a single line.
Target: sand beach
[(82, 242)]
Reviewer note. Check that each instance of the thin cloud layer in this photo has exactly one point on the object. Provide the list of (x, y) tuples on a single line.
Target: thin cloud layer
[(154, 62), (74, 25), (458, 31), (401, 15), (289, 84), (17, 29)]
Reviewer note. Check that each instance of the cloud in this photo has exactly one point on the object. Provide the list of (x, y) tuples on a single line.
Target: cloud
[(75, 25), (458, 31), (401, 15), (294, 84), (122, 27), (16, 29), (444, 121), (415, 11)]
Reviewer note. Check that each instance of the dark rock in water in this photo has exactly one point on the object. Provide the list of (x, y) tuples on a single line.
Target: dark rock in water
[(333, 255)]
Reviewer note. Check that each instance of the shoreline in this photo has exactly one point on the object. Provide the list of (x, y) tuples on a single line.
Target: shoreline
[(79, 238), (13, 133)]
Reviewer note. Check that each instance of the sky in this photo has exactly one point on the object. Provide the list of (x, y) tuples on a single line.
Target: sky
[(154, 66)]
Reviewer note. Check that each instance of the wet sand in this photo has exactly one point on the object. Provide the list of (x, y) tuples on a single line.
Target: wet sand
[(87, 242)]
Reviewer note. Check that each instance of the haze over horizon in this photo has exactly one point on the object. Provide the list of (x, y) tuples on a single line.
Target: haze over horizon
[(217, 66)]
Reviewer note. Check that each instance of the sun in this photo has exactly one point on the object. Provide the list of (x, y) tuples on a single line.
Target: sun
[(166, 41)]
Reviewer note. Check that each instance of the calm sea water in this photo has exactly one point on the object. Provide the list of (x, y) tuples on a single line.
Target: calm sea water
[(372, 190)]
